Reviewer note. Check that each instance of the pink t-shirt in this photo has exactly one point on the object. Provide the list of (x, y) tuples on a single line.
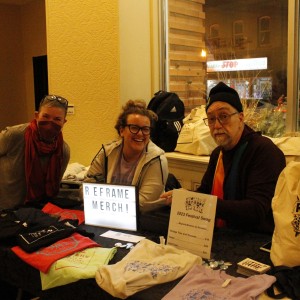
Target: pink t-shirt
[(204, 283)]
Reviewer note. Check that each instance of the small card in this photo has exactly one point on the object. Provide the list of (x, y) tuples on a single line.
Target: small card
[(250, 267), (122, 236)]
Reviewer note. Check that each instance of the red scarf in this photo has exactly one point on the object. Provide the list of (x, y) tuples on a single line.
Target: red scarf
[(217, 188), (42, 182)]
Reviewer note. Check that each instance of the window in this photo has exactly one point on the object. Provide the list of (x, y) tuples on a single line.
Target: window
[(214, 31), (264, 31), (238, 34), (239, 51), (214, 39)]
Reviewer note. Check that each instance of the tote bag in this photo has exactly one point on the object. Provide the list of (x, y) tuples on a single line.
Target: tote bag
[(195, 137), (146, 265), (285, 248)]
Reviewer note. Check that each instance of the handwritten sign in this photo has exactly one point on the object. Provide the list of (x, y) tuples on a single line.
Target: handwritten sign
[(192, 221), (110, 205)]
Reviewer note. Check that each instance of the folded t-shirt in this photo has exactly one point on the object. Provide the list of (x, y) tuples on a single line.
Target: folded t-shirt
[(204, 283), (43, 236), (63, 213), (80, 265), (45, 257)]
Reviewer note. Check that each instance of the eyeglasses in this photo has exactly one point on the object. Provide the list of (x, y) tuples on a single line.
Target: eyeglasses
[(135, 129), (222, 118), (60, 100)]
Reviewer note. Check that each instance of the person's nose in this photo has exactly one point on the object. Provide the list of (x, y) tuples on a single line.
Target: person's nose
[(217, 123)]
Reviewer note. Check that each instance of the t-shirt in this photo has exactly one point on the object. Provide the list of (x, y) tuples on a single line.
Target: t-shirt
[(204, 283), (80, 265), (45, 257), (63, 214)]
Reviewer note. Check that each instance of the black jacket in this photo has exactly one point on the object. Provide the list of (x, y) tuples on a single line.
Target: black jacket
[(247, 198)]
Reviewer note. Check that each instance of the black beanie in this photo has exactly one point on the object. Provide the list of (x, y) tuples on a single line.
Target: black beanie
[(224, 93)]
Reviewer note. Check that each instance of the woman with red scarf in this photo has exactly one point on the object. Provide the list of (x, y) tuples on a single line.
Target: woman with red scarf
[(34, 156)]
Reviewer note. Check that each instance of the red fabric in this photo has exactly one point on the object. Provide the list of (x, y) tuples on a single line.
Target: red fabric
[(42, 182), (45, 257), (63, 213), (217, 188)]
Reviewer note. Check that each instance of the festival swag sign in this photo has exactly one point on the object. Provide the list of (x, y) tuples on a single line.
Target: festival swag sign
[(111, 205), (192, 222)]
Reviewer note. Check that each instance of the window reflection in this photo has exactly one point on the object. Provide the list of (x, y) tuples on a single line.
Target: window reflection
[(235, 34)]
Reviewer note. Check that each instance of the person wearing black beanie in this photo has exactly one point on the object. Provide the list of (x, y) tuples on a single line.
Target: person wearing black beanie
[(243, 169), (251, 164), (225, 93), (225, 117)]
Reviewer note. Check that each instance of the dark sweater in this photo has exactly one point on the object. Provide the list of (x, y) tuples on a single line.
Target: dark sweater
[(247, 198)]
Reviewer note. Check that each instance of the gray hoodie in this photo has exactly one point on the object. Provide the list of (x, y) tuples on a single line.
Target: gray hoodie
[(150, 175)]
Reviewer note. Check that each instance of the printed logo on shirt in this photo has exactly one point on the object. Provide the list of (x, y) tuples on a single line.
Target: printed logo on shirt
[(202, 294), (296, 221), (154, 269)]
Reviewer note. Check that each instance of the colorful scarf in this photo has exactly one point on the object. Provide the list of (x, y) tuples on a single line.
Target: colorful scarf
[(217, 188), (42, 182)]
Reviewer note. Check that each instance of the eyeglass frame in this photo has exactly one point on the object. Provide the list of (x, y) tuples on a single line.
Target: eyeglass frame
[(206, 120), (62, 101), (139, 129)]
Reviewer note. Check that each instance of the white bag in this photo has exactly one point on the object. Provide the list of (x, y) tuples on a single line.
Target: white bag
[(290, 146), (194, 137), (146, 265), (285, 248)]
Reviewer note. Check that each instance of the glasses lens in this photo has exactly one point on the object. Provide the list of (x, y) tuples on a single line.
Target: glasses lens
[(211, 121), (223, 119), (133, 129), (146, 130)]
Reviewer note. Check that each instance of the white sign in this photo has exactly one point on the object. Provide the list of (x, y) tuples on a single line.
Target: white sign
[(110, 205), (192, 222), (237, 64)]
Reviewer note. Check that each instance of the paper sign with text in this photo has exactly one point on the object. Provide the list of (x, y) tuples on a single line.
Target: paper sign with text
[(192, 222), (110, 205)]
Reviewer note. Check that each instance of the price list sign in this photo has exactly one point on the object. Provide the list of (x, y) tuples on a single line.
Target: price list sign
[(192, 222)]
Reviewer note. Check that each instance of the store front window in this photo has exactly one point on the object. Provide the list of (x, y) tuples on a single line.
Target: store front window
[(242, 43)]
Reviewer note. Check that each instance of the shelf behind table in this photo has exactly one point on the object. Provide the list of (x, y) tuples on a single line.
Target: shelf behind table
[(228, 245)]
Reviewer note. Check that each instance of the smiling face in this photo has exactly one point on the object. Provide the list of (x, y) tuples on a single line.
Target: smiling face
[(134, 144), (226, 135)]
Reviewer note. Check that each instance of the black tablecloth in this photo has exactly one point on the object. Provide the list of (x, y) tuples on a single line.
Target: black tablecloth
[(228, 245)]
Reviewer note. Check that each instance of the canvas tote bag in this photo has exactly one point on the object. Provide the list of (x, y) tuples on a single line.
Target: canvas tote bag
[(194, 137), (285, 248), (146, 265)]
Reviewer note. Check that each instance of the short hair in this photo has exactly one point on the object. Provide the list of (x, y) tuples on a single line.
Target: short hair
[(138, 107)]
